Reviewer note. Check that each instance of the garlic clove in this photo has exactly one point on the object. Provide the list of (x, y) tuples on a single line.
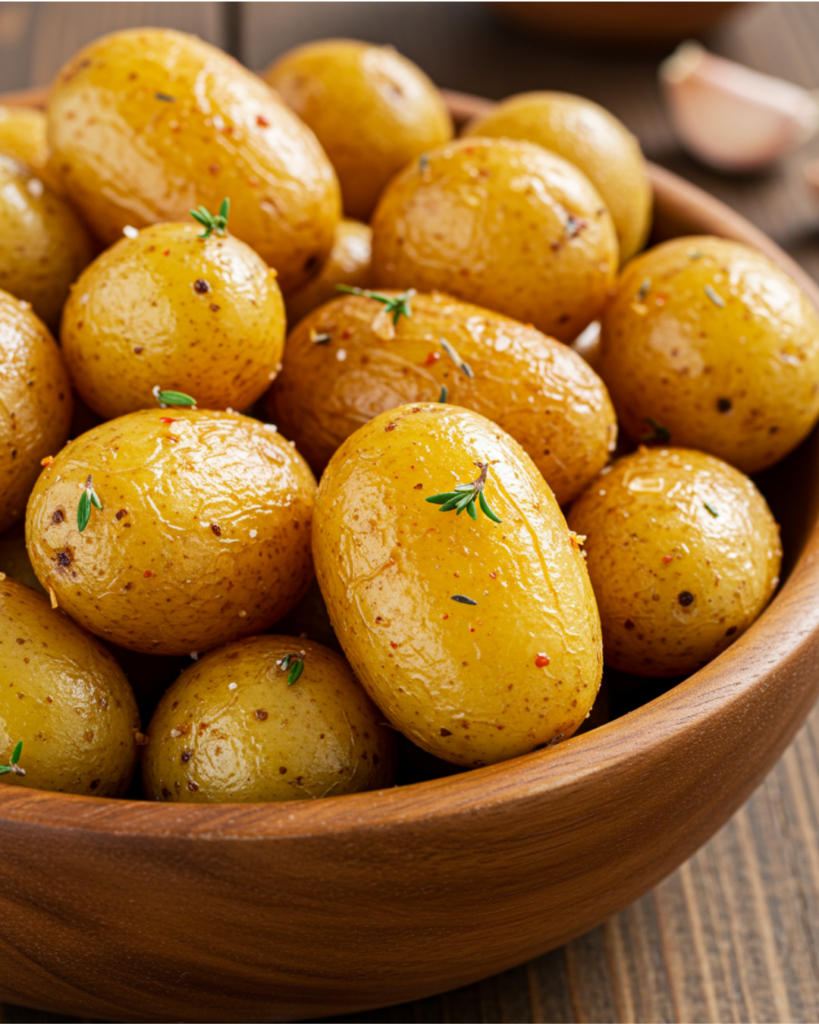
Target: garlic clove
[(732, 117)]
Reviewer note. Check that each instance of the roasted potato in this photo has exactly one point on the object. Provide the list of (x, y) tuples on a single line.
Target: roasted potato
[(347, 362), (23, 137), (592, 139), (348, 263), (201, 316), (64, 696), (146, 124), (266, 718), (203, 535), (683, 555), (43, 244), (479, 640), (14, 561), (503, 223), (371, 109), (708, 344), (35, 403)]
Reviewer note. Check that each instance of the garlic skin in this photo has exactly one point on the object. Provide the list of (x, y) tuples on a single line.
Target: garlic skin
[(731, 117)]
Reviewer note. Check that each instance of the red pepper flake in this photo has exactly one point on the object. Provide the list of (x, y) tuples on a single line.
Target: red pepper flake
[(167, 419), (667, 559), (47, 461), (432, 357), (347, 333), (147, 573), (393, 644), (660, 298), (213, 168), (542, 660), (446, 616), (167, 252), (493, 575), (262, 122), (171, 437)]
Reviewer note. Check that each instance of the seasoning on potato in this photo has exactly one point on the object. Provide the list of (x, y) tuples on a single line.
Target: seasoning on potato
[(174, 530), (203, 315), (65, 698), (454, 586), (372, 110), (707, 344), (267, 718), (35, 404), (683, 555), (348, 361), (348, 263), (43, 243), (503, 223), (592, 139), (147, 124)]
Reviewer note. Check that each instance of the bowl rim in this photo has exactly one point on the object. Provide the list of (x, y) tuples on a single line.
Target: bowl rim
[(576, 763)]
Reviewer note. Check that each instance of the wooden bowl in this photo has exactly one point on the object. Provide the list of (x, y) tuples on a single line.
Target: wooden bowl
[(140, 911)]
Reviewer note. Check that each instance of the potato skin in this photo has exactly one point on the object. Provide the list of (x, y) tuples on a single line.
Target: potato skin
[(503, 223), (65, 697), (471, 684), (35, 403), (128, 156), (348, 263), (201, 316), (592, 139), (733, 372), (43, 243), (534, 387), (230, 729), (372, 110), (675, 583), (204, 536), (23, 137)]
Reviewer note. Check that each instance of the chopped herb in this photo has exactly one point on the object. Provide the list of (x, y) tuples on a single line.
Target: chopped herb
[(295, 664), (444, 395), (398, 305), (695, 255), (573, 225), (462, 365), (463, 600), (165, 97), (166, 398), (320, 338), (87, 499), (211, 224), (12, 767), (423, 163), (658, 433), (643, 290), (715, 297), (465, 495), (711, 509)]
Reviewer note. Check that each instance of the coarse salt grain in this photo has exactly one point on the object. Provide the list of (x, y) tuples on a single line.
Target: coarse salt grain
[(341, 355), (130, 232), (34, 187), (253, 533)]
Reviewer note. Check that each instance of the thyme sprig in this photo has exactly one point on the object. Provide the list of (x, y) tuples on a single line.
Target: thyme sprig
[(212, 224), (13, 767), (659, 434), (296, 666), (398, 305), (166, 398), (465, 495), (87, 499)]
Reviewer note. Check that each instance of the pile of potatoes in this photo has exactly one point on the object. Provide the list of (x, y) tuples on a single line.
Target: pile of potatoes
[(363, 299)]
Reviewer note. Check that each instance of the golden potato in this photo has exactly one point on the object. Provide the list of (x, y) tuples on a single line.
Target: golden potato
[(683, 555), (592, 139), (43, 244), (201, 316), (64, 696), (503, 223), (535, 388), (23, 137), (371, 109), (203, 535), (348, 263), (14, 561), (35, 403), (146, 124), (479, 640), (266, 718), (708, 344)]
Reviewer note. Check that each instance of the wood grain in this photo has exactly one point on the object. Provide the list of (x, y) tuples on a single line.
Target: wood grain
[(733, 934)]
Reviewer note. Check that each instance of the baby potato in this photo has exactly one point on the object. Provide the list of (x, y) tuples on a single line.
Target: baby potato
[(203, 316), (43, 244), (23, 137), (592, 139), (14, 561), (479, 639), (64, 696), (683, 555), (503, 223), (267, 718), (203, 535), (347, 362), (147, 124), (371, 109), (35, 403), (348, 263), (708, 344)]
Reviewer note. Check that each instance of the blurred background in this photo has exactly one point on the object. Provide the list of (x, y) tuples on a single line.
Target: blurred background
[(734, 934)]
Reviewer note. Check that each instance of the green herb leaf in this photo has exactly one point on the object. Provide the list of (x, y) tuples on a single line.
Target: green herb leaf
[(13, 766), (487, 511), (320, 339), (444, 395), (470, 508), (464, 496), (423, 163), (714, 296), (165, 97), (659, 434), (296, 669), (212, 224), (643, 289), (95, 501), (398, 305), (4, 769), (711, 509), (462, 600), (178, 398), (18, 750), (83, 511), (462, 365)]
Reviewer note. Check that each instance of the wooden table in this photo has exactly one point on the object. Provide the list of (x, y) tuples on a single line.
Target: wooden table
[(734, 934)]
